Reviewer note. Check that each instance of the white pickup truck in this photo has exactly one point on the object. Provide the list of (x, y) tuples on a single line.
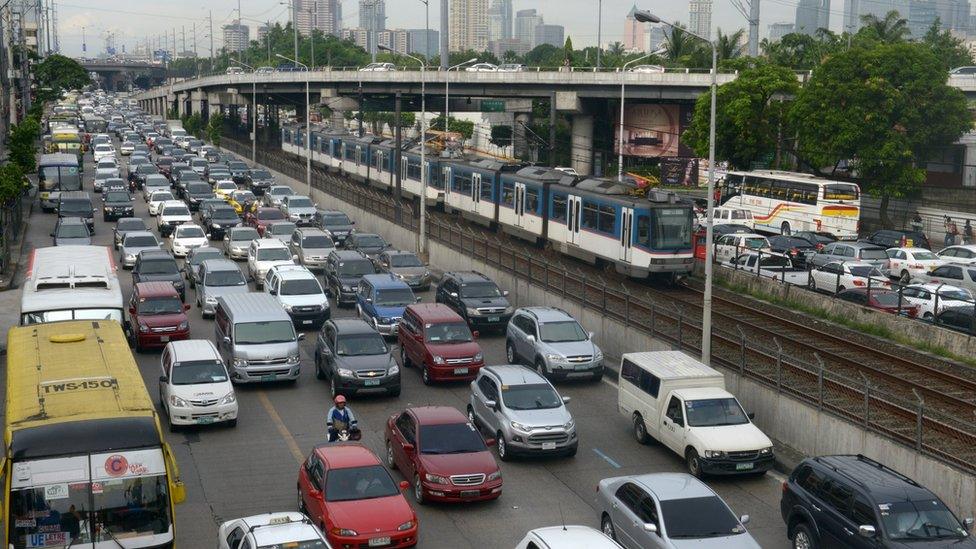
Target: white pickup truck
[(683, 404), (769, 265)]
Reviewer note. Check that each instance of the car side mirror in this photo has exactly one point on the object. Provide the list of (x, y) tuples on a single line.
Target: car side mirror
[(650, 528), (163, 379), (566, 399), (867, 531), (226, 239), (226, 340), (968, 523), (404, 485), (294, 257), (744, 519), (301, 336), (505, 293), (272, 291), (408, 448), (531, 338), (751, 415), (186, 306), (417, 299), (475, 334), (493, 404)]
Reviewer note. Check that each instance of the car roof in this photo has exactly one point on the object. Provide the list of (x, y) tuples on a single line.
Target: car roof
[(266, 532), (346, 255), (438, 415), (909, 249), (547, 314), (269, 243), (219, 264), (572, 537), (133, 233), (155, 289), (352, 325), (935, 286), (858, 244), (514, 374), (468, 276), (292, 272), (155, 254), (882, 482), (434, 312), (196, 349), (670, 486), (384, 281)]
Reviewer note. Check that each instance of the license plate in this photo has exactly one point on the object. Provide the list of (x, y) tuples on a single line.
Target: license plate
[(306, 322), (743, 466), (548, 445), (493, 318), (470, 493), (460, 371), (379, 542), (371, 382), (205, 420), (269, 377), (163, 339)]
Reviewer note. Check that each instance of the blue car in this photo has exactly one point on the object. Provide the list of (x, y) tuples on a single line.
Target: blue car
[(380, 301)]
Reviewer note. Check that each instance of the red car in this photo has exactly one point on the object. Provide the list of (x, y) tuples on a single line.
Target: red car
[(157, 315), (443, 455), (435, 338), (262, 217), (347, 492), (883, 300)]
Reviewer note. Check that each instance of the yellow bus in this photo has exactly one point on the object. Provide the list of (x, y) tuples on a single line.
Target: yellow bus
[(85, 464)]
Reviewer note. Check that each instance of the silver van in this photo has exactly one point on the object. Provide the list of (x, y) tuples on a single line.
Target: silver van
[(256, 338)]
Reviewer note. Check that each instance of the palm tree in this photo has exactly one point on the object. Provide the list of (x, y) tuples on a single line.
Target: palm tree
[(890, 29), (729, 46), (616, 48), (678, 44)]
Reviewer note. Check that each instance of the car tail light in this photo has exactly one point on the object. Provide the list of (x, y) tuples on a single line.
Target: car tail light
[(794, 251), (819, 246), (858, 282), (785, 486)]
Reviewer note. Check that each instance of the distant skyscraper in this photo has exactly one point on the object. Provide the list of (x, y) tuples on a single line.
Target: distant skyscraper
[(424, 41), (812, 15), (324, 15), (236, 36), (500, 47), (525, 23), (550, 34), (854, 10), (360, 37), (372, 14), (398, 39), (700, 17), (778, 30), (263, 31), (468, 25), (500, 19), (634, 33), (921, 15)]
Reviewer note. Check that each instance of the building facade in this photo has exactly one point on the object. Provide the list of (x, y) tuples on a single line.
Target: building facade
[(397, 39), (360, 37), (700, 17), (550, 34), (635, 33), (500, 20), (500, 47), (778, 30), (812, 15), (323, 15), (468, 24), (525, 23), (424, 41), (236, 36)]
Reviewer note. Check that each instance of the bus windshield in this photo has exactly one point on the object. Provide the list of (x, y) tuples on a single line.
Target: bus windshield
[(59, 178), (670, 228)]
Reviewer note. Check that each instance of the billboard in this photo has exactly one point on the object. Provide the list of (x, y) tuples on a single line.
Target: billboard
[(679, 171), (653, 130)]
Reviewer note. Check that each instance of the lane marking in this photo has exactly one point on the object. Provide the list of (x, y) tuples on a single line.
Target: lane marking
[(280, 426), (613, 463)]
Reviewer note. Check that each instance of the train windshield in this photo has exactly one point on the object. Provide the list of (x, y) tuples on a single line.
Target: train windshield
[(670, 228)]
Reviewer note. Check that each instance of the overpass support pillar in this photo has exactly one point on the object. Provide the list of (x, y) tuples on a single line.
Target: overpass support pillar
[(520, 135), (581, 153), (183, 104), (198, 104)]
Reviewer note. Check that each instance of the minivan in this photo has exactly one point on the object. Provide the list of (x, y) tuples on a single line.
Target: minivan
[(256, 338), (438, 341), (194, 387)]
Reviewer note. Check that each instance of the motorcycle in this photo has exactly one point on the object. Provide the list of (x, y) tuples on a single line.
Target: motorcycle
[(346, 435)]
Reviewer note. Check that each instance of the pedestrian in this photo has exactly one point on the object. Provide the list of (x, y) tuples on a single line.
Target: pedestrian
[(917, 222), (950, 231), (967, 232)]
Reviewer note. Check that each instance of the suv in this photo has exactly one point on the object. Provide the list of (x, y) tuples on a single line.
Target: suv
[(476, 298), (343, 270), (407, 267), (258, 180), (299, 293), (381, 299), (552, 342), (152, 265), (218, 277), (77, 204), (299, 209), (854, 501), (368, 243), (263, 254), (217, 218), (524, 412), (312, 246), (116, 205), (355, 359), (336, 223), (156, 315), (171, 214), (435, 338), (196, 191), (194, 387)]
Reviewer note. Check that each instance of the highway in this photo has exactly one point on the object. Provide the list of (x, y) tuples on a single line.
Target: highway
[(253, 468)]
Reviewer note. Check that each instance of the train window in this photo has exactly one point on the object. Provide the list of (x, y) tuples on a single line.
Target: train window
[(643, 230), (362, 155), (462, 183), (350, 153), (434, 178), (671, 228), (531, 200), (591, 215), (413, 169), (608, 217), (508, 195), (486, 190), (558, 207)]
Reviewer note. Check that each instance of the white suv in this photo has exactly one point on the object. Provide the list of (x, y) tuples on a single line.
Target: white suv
[(194, 387), (300, 293), (264, 253), (172, 214), (287, 529)]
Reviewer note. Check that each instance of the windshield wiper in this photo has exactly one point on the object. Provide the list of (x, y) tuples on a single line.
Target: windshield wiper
[(938, 527), (112, 537)]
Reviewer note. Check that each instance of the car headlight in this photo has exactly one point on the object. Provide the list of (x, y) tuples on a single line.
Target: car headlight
[(405, 526), (394, 369), (240, 362), (519, 427), (495, 476), (345, 372), (597, 354), (344, 532), (479, 357), (426, 274), (509, 310), (346, 288), (130, 257), (438, 359), (767, 451), (569, 425), (108, 209), (436, 479), (401, 276), (554, 358), (143, 328), (183, 325), (178, 402), (229, 398), (471, 311), (293, 358), (287, 307), (210, 299), (715, 454)]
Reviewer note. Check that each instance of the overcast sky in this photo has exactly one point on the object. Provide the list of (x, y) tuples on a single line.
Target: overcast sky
[(133, 22)]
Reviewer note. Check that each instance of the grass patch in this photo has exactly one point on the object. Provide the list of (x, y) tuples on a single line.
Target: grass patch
[(865, 328)]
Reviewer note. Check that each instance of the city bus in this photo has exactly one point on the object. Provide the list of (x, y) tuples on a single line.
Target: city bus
[(69, 140), (71, 283), (786, 202), (85, 464), (57, 172)]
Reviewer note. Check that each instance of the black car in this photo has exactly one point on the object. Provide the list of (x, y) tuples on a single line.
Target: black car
[(212, 155), (175, 167), (124, 225), (336, 223), (853, 502), (238, 171), (164, 164), (116, 205), (154, 265), (217, 218), (184, 178), (959, 319), (819, 238), (370, 244), (343, 270), (476, 298), (77, 204), (355, 358), (217, 173), (798, 249), (196, 256), (195, 191), (258, 180), (888, 238)]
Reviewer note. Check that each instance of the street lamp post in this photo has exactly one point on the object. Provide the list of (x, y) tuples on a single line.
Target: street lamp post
[(308, 123), (447, 92), (426, 29), (422, 236), (706, 345), (620, 138), (254, 114), (599, 33)]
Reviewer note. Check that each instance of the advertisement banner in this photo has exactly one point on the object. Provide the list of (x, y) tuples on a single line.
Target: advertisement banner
[(131, 463), (650, 130), (679, 171)]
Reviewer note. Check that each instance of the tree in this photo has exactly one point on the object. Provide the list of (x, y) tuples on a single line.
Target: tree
[(949, 50), (501, 136), (679, 44), (545, 55), (882, 107), (729, 46), (193, 125), (510, 57), (568, 49), (57, 74), (23, 144), (11, 182), (464, 127), (892, 28), (215, 128), (750, 115), (616, 48)]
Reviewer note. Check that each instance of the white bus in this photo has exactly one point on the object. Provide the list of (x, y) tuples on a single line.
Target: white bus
[(787, 202), (71, 283)]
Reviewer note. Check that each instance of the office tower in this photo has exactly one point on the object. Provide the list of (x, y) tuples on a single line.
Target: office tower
[(778, 30), (236, 36), (549, 34), (500, 19), (424, 41), (360, 37), (634, 33), (500, 47), (700, 17), (372, 14), (324, 15), (398, 39), (921, 15), (854, 10), (525, 23), (812, 15), (468, 25)]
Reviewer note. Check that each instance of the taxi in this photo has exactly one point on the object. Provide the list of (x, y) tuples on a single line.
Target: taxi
[(224, 188), (285, 530), (241, 200)]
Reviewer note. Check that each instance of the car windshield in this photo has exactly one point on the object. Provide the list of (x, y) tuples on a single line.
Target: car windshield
[(873, 253), (335, 219), (886, 299), (199, 256), (197, 372), (160, 197), (176, 210), (244, 235), (713, 412), (370, 241), (395, 297), (560, 332), (317, 242), (140, 241), (361, 344), (306, 286), (925, 256), (533, 396), (959, 294), (865, 271), (81, 208), (480, 289), (198, 188), (453, 332), (157, 181), (73, 231), (258, 333), (225, 278), (158, 266), (237, 166), (354, 483), (260, 174), (170, 305), (282, 229), (116, 196), (755, 243), (356, 268), (405, 260), (273, 254), (450, 438), (695, 518), (190, 232), (269, 214), (146, 169), (918, 520), (224, 213), (281, 191), (300, 203)]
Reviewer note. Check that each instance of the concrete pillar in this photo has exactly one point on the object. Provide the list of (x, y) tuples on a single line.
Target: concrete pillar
[(969, 165), (182, 104), (520, 135), (581, 153), (198, 103)]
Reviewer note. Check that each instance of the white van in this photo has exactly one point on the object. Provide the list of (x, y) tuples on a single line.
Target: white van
[(737, 216), (194, 386), (683, 404)]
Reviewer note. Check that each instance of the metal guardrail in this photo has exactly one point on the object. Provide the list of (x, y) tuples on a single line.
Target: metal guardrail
[(928, 431)]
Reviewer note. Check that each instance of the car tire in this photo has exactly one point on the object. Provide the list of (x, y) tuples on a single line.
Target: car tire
[(927, 316), (425, 376), (418, 491), (803, 537), (232, 423), (640, 430), (693, 463), (503, 453), (390, 462), (404, 359), (813, 284), (606, 526), (540, 367), (905, 277), (510, 353), (319, 374), (785, 229), (173, 427)]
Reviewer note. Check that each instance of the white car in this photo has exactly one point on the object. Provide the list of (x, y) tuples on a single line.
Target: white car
[(103, 151), (729, 246), (172, 214), (732, 216), (837, 276), (482, 67), (109, 163), (264, 253), (378, 67), (194, 387), (647, 69), (156, 200), (908, 263), (567, 537), (300, 294), (511, 67), (186, 237), (924, 295), (224, 187), (275, 193), (127, 147), (285, 529), (964, 253)]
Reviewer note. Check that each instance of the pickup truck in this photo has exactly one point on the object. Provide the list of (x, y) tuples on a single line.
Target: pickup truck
[(769, 265)]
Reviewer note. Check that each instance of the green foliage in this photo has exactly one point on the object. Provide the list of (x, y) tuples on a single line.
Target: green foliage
[(729, 46), (545, 55), (889, 29), (949, 50), (23, 144), (501, 136), (750, 112), (57, 74), (458, 57), (464, 127), (215, 128), (568, 49), (680, 46), (802, 51), (11, 181), (193, 125)]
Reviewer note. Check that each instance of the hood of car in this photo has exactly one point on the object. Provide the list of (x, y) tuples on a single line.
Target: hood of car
[(370, 249), (409, 272), (81, 241), (338, 229), (317, 252), (572, 348), (268, 263), (308, 210), (265, 351), (349, 280), (551, 417), (370, 516), (740, 541), (365, 362), (732, 438), (454, 350), (133, 250), (202, 391), (191, 240), (303, 300), (475, 302), (459, 464), (157, 321), (386, 312)]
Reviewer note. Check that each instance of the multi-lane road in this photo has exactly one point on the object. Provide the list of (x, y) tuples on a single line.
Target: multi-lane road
[(233, 472)]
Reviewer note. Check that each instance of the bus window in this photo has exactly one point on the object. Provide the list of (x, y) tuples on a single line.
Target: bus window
[(840, 191), (763, 188), (65, 178)]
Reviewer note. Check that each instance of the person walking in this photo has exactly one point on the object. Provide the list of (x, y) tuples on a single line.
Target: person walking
[(917, 222), (951, 230), (967, 233)]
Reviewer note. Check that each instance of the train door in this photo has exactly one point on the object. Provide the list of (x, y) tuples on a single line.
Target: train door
[(359, 152), (403, 168), (519, 204), (575, 213), (476, 189), (446, 172), (626, 230)]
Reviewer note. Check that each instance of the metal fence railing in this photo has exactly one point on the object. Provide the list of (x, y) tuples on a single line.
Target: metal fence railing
[(911, 422)]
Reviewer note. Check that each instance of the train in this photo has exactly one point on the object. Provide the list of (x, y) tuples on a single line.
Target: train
[(600, 221)]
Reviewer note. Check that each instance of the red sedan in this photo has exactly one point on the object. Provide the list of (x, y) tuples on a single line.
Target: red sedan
[(882, 300), (347, 492), (443, 455), (262, 217), (156, 315)]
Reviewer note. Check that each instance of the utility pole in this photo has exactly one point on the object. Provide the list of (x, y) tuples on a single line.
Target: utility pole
[(183, 35), (210, 17), (599, 33), (445, 23), (754, 28), (240, 43), (267, 39)]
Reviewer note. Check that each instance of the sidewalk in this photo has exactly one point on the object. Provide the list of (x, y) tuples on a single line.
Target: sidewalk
[(12, 275)]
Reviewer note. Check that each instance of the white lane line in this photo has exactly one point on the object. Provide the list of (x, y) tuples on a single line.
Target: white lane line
[(613, 463)]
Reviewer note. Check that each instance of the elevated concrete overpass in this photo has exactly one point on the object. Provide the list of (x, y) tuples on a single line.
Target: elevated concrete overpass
[(121, 75)]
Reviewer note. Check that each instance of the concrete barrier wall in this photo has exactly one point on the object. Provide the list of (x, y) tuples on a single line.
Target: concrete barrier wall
[(792, 423)]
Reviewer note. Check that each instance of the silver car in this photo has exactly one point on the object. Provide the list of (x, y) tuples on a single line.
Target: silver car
[(553, 342), (668, 511), (237, 240), (407, 267), (298, 209), (135, 242), (312, 246), (218, 277), (275, 193), (523, 411), (850, 251)]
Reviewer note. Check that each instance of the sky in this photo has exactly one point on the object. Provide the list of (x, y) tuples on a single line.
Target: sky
[(134, 22)]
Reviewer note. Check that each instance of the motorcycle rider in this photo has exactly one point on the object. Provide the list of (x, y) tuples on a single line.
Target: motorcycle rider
[(340, 418)]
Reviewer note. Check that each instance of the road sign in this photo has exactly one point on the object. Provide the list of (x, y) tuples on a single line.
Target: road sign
[(492, 105)]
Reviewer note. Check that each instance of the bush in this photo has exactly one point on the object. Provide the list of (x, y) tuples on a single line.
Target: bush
[(23, 144), (11, 182)]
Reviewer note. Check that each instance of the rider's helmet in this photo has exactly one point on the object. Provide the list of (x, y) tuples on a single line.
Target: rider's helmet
[(340, 399)]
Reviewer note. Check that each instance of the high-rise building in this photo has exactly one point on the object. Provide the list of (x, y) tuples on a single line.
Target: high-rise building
[(525, 23), (656, 38), (854, 10), (236, 36), (921, 15), (954, 15), (263, 31), (778, 30), (812, 15), (700, 17), (372, 14), (500, 47), (424, 41), (634, 33), (500, 19), (359, 36), (323, 15), (550, 34), (397, 39), (468, 25)]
